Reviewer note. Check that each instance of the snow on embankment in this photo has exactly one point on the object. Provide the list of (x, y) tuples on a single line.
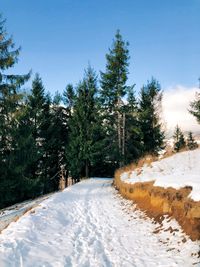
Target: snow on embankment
[(177, 171), (169, 186)]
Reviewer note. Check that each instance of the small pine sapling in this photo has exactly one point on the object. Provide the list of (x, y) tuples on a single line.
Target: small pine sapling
[(179, 140), (191, 143)]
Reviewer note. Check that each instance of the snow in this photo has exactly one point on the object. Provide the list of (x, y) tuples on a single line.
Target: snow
[(11, 213), (177, 171), (89, 224)]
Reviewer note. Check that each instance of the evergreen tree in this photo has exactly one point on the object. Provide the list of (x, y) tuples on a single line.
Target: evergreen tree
[(149, 117), (37, 106), (113, 89), (57, 98), (85, 138), (195, 107), (23, 157), (50, 135), (49, 131), (56, 139), (69, 96), (191, 144), (43, 139), (38, 111), (10, 100), (179, 140), (133, 134)]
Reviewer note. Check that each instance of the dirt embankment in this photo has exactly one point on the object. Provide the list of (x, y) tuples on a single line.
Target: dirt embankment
[(157, 201)]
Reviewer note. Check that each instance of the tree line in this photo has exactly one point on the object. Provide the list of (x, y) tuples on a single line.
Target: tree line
[(91, 129)]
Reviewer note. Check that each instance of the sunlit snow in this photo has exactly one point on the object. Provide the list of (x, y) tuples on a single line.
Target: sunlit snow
[(90, 225), (179, 170)]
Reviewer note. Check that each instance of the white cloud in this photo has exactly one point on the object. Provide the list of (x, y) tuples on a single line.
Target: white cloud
[(176, 102)]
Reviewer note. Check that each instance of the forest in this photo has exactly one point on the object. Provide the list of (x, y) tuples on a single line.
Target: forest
[(93, 128)]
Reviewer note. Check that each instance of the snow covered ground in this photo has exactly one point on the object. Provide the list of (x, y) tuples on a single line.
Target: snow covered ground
[(179, 170), (11, 213), (89, 224)]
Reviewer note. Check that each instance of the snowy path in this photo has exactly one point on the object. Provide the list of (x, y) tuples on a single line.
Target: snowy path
[(90, 225)]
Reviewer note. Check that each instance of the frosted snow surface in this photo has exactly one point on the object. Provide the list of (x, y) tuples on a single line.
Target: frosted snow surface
[(90, 225), (179, 170)]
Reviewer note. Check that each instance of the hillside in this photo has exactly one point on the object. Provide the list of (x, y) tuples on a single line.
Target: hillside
[(169, 186), (180, 170)]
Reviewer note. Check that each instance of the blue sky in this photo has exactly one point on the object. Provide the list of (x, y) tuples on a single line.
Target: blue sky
[(59, 38)]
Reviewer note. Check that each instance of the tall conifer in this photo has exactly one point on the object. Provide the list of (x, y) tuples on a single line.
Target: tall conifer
[(56, 140), (85, 139), (133, 133), (38, 112), (10, 100), (113, 89), (149, 117)]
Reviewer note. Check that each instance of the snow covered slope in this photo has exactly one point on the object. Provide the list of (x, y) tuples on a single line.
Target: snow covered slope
[(179, 170), (90, 225)]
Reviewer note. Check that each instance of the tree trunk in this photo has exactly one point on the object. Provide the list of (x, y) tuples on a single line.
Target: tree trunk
[(86, 169), (119, 131), (123, 137)]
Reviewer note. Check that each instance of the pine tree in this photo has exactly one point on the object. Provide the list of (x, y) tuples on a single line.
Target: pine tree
[(10, 100), (24, 156), (39, 109), (191, 144), (149, 117), (69, 96), (85, 137), (179, 140), (133, 146), (195, 107), (37, 106), (57, 98), (113, 89), (55, 143), (44, 123), (49, 129)]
